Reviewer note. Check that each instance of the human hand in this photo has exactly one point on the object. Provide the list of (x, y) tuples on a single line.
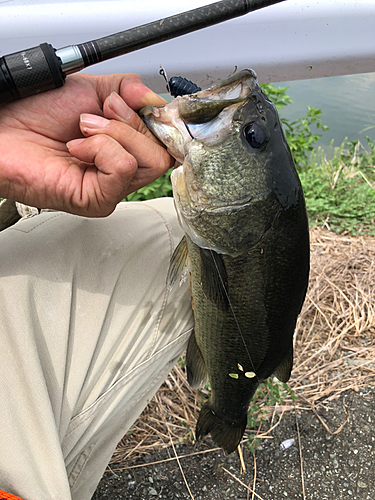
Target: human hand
[(112, 156)]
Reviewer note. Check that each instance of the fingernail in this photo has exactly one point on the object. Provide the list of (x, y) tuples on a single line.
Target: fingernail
[(92, 122), (153, 99), (74, 142), (119, 106)]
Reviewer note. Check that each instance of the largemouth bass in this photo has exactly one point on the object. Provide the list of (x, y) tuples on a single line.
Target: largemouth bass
[(240, 203)]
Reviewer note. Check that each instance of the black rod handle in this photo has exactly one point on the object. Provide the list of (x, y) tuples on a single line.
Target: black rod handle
[(29, 72)]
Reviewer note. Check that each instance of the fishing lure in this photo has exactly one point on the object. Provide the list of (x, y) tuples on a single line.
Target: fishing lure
[(177, 85)]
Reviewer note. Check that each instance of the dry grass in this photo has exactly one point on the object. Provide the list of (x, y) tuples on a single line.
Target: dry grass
[(334, 347)]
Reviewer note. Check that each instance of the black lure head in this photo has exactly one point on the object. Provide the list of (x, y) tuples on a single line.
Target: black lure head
[(177, 85)]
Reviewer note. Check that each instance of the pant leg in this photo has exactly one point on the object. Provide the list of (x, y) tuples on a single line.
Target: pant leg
[(88, 332)]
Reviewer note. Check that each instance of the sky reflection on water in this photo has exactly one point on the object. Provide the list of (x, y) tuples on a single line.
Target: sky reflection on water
[(347, 104)]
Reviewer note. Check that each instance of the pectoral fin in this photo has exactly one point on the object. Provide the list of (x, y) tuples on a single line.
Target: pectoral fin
[(195, 366), (214, 277), (179, 263), (284, 370)]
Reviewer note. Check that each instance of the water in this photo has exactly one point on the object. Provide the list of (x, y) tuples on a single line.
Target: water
[(347, 104)]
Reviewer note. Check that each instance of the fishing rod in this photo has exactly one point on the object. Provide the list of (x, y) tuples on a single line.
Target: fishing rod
[(42, 68)]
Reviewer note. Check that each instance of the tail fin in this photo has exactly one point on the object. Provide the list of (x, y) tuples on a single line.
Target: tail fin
[(225, 432)]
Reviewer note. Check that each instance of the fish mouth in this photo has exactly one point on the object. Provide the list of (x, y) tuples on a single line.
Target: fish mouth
[(205, 115), (205, 105)]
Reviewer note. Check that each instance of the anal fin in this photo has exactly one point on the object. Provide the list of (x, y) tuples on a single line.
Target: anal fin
[(195, 366), (284, 370)]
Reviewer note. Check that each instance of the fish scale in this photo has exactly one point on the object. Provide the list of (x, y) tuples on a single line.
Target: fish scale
[(241, 205)]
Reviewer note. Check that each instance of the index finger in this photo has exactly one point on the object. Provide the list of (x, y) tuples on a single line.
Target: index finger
[(116, 108), (136, 94), (129, 86)]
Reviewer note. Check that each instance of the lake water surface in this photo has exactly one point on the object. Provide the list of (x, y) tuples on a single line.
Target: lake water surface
[(347, 104)]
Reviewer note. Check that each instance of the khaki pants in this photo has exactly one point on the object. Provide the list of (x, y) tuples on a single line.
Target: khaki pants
[(88, 332)]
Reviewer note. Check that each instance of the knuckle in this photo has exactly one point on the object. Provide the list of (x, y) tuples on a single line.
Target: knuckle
[(123, 162), (99, 141), (130, 164)]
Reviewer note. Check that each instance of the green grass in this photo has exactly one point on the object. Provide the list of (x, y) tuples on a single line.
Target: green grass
[(158, 189), (339, 188)]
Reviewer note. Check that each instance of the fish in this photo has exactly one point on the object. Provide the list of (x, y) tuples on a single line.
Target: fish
[(240, 204)]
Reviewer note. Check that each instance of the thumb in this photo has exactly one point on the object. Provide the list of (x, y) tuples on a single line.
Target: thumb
[(131, 89)]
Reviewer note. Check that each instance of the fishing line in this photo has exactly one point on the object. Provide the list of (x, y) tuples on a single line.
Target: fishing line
[(234, 315)]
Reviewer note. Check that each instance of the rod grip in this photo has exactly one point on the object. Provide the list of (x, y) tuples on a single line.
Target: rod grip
[(29, 72)]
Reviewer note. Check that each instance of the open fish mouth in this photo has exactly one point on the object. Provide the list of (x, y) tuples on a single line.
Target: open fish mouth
[(206, 115)]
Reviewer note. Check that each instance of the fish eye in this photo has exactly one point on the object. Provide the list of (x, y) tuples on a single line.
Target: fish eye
[(255, 135)]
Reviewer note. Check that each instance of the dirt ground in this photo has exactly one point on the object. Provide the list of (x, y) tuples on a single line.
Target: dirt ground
[(334, 466)]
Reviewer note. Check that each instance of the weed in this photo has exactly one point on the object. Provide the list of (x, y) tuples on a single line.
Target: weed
[(339, 188), (160, 188), (301, 139)]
